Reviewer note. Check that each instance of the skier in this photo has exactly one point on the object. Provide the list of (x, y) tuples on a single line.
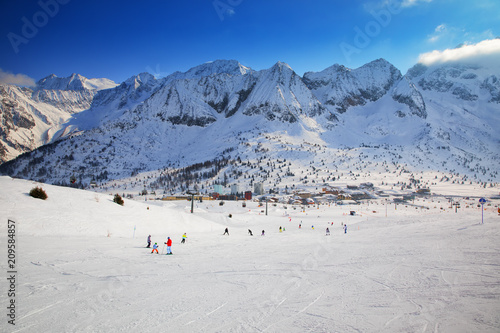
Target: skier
[(155, 248), (345, 228), (327, 232), (300, 226), (280, 229), (250, 232), (312, 227), (263, 233), (226, 232), (169, 245), (149, 241), (184, 237)]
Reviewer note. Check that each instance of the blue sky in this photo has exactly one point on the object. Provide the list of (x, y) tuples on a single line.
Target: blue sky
[(118, 39)]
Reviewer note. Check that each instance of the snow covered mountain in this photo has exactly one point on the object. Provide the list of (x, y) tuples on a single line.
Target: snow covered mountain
[(73, 82), (462, 111), (230, 67), (276, 94), (341, 87), (30, 118), (279, 93), (109, 104), (438, 117)]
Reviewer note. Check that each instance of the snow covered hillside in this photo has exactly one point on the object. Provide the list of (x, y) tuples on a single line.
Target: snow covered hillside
[(82, 266), (462, 103)]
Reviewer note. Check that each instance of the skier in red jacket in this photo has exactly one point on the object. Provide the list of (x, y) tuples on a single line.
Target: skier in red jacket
[(169, 245)]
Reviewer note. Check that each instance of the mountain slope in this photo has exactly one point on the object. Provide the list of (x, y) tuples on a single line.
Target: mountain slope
[(428, 118), (31, 118), (109, 104), (463, 111)]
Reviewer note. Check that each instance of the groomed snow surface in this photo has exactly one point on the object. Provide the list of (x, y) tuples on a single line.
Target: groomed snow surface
[(82, 267)]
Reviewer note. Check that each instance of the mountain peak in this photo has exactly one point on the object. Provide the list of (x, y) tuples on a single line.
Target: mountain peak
[(342, 88), (231, 67), (52, 82), (379, 61), (144, 77), (281, 65), (74, 82), (336, 68), (51, 76)]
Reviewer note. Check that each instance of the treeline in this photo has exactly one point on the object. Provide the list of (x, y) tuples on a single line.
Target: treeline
[(184, 178)]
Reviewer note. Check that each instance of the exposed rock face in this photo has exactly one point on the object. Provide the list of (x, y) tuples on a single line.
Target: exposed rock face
[(405, 92), (343, 88)]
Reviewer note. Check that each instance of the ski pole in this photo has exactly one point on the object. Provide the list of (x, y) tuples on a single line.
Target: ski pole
[(163, 248)]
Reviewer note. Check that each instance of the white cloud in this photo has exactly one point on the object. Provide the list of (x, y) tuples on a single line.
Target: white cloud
[(440, 31), (440, 28), (485, 51), (434, 38), (16, 79)]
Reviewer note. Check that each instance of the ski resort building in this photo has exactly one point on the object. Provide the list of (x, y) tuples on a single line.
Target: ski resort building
[(248, 195), (258, 188), (218, 189), (235, 189)]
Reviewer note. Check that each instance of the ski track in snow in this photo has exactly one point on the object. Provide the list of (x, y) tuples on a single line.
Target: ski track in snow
[(39, 310), (410, 272)]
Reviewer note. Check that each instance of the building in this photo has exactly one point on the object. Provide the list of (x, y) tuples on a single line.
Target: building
[(303, 194), (258, 188), (248, 195), (218, 189), (235, 189), (331, 190), (228, 197)]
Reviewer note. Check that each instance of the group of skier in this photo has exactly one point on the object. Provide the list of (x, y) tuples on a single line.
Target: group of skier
[(168, 243), (281, 229)]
